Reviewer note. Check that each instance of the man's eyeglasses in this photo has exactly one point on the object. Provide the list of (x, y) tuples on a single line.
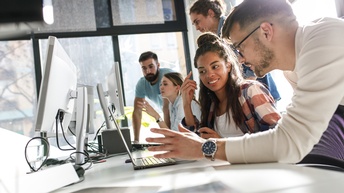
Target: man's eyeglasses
[(236, 52), (236, 48)]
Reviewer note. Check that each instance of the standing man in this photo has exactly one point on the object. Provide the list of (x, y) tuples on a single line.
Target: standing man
[(148, 86), (209, 15)]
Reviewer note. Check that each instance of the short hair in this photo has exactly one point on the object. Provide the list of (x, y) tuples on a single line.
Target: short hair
[(202, 7), (147, 55), (254, 12)]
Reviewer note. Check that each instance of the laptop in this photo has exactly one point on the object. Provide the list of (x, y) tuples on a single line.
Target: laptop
[(144, 145), (141, 162)]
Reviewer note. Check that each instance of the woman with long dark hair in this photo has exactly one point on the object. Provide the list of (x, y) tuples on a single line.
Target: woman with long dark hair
[(230, 105)]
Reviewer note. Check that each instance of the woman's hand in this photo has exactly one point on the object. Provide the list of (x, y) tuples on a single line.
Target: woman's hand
[(188, 89), (206, 133), (146, 107)]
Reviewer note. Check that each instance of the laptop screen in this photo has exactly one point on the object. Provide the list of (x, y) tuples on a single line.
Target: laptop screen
[(112, 117)]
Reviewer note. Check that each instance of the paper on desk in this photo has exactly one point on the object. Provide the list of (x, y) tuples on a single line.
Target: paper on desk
[(141, 189), (211, 187)]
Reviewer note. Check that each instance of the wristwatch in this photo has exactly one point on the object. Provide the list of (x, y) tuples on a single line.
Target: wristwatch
[(209, 149), (159, 120)]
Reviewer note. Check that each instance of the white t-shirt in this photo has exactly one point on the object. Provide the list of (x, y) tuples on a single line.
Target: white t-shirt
[(230, 130), (177, 112)]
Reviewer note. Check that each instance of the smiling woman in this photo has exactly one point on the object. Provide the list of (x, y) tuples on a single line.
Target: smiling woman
[(230, 105)]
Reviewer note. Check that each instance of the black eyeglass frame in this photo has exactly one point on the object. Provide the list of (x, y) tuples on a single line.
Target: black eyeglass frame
[(236, 48), (239, 44)]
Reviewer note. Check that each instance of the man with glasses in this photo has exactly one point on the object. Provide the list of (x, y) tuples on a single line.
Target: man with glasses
[(268, 37)]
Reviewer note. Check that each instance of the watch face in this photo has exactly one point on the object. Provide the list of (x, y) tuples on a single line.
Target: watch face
[(209, 147)]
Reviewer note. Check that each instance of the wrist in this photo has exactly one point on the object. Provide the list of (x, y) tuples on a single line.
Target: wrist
[(159, 119), (209, 149)]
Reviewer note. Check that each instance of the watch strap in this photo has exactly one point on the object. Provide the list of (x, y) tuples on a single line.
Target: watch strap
[(159, 120)]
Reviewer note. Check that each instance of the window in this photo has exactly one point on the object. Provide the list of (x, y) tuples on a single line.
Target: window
[(131, 46), (17, 87), (93, 46)]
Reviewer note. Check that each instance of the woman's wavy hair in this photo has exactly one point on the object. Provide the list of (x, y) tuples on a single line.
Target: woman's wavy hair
[(210, 42)]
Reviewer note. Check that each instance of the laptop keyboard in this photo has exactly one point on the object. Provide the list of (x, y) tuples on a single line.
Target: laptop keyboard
[(148, 161)]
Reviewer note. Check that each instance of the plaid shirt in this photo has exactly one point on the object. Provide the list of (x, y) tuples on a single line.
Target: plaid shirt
[(258, 108)]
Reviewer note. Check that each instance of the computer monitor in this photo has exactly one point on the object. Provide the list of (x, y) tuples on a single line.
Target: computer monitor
[(114, 91), (58, 88), (90, 129), (59, 93), (103, 103)]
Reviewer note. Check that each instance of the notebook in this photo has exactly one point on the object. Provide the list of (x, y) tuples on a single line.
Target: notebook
[(140, 162)]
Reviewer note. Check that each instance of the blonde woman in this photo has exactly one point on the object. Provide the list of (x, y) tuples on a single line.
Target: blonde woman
[(170, 89)]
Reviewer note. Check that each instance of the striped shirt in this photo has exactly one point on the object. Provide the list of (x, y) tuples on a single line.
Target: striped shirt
[(258, 107)]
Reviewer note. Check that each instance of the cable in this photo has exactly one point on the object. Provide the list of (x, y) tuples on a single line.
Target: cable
[(95, 136), (48, 151), (57, 134), (83, 153), (63, 133), (70, 130)]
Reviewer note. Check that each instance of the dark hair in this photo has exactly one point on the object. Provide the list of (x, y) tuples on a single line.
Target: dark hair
[(175, 77), (202, 7), (251, 13), (147, 55), (210, 42)]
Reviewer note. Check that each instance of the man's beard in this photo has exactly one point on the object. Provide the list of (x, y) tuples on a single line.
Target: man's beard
[(152, 77), (264, 63)]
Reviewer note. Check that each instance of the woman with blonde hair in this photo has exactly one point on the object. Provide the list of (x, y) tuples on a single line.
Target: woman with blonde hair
[(170, 89)]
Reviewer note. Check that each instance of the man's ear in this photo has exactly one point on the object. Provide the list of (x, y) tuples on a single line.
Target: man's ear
[(211, 13), (267, 30)]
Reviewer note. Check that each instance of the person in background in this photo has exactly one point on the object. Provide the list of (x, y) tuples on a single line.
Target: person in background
[(269, 37), (231, 106), (209, 15), (170, 89), (148, 86)]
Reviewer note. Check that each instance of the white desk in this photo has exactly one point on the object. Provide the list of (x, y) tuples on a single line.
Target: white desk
[(116, 176)]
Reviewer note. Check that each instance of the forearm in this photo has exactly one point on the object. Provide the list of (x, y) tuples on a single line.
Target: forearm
[(162, 124), (136, 122), (166, 113), (221, 150), (189, 117)]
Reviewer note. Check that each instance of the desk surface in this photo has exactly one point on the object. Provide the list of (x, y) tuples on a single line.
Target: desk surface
[(206, 176), (115, 175)]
